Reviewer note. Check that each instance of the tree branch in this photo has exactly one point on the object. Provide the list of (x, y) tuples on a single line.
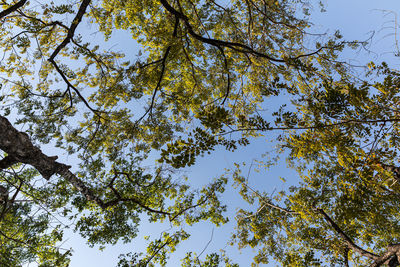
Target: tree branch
[(346, 238), (12, 8), (7, 162), (390, 257), (72, 28), (311, 127), (158, 250), (20, 148), (69, 86), (163, 61), (228, 86), (70, 35), (239, 47), (215, 42)]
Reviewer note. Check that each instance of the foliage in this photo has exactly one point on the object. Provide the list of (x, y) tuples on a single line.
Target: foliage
[(346, 207), (204, 72), (213, 259), (26, 233)]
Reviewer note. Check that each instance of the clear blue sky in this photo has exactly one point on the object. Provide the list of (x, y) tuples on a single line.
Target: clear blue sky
[(355, 19)]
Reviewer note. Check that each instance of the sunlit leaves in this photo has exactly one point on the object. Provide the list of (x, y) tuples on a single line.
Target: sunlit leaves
[(200, 81), (343, 149)]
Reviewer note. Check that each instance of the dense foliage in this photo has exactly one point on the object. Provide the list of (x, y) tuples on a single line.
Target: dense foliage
[(346, 207), (204, 72)]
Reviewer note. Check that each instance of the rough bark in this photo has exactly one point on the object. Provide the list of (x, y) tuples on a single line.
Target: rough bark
[(390, 257), (19, 148)]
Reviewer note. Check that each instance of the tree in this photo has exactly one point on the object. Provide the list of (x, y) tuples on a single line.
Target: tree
[(203, 63)]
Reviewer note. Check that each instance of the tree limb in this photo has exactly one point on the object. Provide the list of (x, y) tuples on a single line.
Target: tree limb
[(239, 47), (72, 28), (353, 121), (7, 162), (19, 146), (70, 35), (163, 64), (12, 8), (346, 238), (390, 257)]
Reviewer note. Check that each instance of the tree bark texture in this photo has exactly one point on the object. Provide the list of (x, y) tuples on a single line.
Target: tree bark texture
[(19, 148)]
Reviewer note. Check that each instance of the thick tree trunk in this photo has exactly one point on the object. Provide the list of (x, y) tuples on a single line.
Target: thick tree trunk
[(19, 148), (390, 257)]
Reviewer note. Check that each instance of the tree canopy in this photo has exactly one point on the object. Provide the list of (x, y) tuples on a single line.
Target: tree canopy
[(203, 78)]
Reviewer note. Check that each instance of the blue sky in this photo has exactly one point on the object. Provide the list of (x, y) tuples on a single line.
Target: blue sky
[(356, 19)]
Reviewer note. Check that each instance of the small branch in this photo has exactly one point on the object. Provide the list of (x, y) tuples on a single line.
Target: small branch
[(133, 181), (72, 28), (311, 127), (69, 85), (215, 42), (268, 17), (188, 208), (265, 202), (163, 61), (239, 47), (228, 87), (148, 64), (136, 201), (123, 199), (14, 239), (208, 243), (70, 35), (6, 205), (346, 238), (156, 252), (12, 8)]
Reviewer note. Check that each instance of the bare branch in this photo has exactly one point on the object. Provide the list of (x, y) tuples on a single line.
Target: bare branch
[(70, 85), (70, 35), (266, 202), (208, 243)]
